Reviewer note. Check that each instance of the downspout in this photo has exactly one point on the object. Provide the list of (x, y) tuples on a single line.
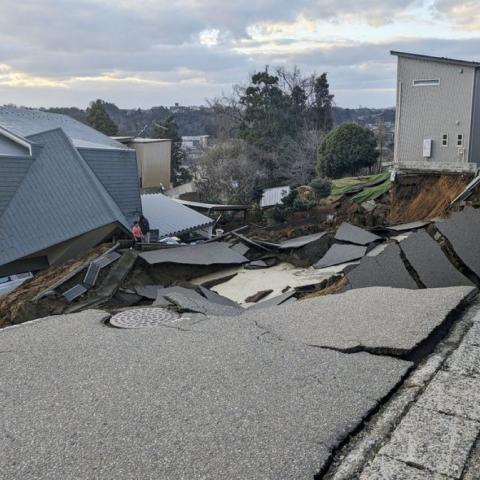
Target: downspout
[(397, 122)]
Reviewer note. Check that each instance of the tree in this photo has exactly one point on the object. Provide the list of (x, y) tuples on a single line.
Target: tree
[(229, 172), (98, 118), (266, 111), (321, 186), (323, 104), (179, 174), (345, 150)]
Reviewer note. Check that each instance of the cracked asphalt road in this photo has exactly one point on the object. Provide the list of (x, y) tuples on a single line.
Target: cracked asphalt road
[(81, 400)]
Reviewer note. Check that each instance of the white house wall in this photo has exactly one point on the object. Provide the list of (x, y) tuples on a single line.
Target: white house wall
[(428, 112)]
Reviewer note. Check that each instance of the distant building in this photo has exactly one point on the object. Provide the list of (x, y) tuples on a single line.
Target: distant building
[(195, 142), (64, 188), (154, 160), (438, 113)]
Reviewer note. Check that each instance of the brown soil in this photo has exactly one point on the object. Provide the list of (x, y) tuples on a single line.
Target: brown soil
[(428, 198)]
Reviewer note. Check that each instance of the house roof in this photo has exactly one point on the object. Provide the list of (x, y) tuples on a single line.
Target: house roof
[(211, 206), (453, 61), (170, 217), (273, 196), (54, 197), (25, 122)]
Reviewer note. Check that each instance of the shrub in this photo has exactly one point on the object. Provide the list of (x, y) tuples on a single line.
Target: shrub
[(321, 186)]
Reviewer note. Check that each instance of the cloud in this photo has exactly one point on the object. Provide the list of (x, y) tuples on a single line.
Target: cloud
[(146, 52), (465, 14)]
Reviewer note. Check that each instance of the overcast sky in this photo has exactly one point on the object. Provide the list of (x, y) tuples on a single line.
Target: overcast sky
[(142, 53)]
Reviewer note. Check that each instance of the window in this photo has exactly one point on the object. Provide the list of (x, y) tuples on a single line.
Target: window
[(445, 140), (426, 83), (460, 140)]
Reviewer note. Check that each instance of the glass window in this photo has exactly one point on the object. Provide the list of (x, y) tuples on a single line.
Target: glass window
[(445, 140), (426, 83), (460, 140)]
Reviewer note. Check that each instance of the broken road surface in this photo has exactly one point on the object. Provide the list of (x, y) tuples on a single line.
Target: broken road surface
[(218, 397)]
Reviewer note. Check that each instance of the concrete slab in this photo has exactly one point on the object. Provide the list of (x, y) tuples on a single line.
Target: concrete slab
[(379, 319), (432, 266), (277, 278), (462, 230), (386, 269), (301, 241), (405, 227), (339, 253), (82, 400), (202, 305), (148, 291), (439, 443), (353, 234), (202, 254), (464, 361), (454, 395), (272, 302), (162, 294), (216, 298), (386, 468)]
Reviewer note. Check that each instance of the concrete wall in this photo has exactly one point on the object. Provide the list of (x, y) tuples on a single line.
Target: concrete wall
[(428, 112), (154, 162)]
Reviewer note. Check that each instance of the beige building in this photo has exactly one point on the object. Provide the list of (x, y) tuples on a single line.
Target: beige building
[(154, 158)]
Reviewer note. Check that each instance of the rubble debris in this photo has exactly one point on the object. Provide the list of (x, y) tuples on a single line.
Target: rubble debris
[(110, 284), (218, 253), (275, 301), (74, 292), (386, 269), (381, 320), (214, 297), (462, 230), (92, 274), (468, 190), (189, 303), (253, 243), (307, 254), (265, 262), (148, 291), (353, 234), (162, 300), (109, 254), (249, 282), (341, 253), (240, 248), (127, 298), (258, 296), (431, 265)]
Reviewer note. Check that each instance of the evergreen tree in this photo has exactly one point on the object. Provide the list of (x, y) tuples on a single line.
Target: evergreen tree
[(266, 116), (323, 104), (169, 129), (98, 118), (345, 150)]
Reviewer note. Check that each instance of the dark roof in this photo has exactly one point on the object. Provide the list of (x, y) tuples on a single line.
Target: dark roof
[(429, 58), (26, 122), (54, 197), (170, 217)]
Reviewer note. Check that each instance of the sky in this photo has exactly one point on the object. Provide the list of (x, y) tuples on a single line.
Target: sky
[(144, 53)]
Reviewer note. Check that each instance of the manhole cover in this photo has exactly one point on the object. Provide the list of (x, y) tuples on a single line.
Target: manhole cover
[(143, 318)]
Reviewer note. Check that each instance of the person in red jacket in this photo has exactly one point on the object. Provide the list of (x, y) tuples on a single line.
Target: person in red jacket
[(137, 232)]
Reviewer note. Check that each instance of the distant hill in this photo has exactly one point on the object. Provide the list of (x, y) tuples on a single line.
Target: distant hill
[(201, 120)]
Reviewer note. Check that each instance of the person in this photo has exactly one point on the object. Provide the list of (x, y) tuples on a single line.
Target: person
[(137, 232), (145, 227)]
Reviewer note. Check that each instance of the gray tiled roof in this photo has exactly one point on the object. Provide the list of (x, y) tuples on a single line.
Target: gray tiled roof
[(170, 217), (59, 198), (26, 122)]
